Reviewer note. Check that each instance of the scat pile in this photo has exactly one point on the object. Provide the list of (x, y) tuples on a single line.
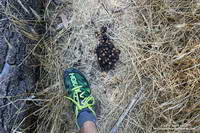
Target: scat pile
[(107, 54)]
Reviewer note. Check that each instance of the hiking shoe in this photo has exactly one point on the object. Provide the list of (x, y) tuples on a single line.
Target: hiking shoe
[(78, 89)]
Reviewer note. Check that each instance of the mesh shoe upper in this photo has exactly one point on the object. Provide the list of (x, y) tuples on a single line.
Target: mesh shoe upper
[(78, 90)]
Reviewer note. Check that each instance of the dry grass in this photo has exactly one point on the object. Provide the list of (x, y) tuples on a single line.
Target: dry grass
[(159, 43)]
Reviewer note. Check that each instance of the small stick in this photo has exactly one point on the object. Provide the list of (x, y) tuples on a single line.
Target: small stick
[(130, 107), (105, 8)]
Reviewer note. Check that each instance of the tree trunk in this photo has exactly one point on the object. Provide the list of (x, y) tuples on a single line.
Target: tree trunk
[(17, 76)]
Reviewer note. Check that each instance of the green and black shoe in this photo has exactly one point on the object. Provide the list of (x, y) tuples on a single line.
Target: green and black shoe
[(78, 90)]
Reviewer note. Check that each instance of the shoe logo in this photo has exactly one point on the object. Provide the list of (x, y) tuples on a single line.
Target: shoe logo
[(73, 79)]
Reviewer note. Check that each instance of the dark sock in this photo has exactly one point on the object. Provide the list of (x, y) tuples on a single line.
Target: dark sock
[(85, 115)]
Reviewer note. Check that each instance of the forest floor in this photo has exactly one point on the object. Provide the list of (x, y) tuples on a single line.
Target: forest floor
[(159, 44)]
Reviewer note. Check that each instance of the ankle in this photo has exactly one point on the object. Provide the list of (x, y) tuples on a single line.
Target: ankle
[(84, 116)]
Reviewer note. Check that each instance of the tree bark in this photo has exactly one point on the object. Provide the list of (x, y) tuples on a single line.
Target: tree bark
[(17, 77)]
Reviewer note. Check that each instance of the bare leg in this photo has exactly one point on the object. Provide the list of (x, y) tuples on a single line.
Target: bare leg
[(88, 127)]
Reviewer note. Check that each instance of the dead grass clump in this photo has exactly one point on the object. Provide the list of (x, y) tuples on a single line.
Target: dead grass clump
[(170, 59), (159, 48)]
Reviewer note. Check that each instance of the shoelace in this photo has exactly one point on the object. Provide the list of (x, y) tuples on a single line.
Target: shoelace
[(84, 103)]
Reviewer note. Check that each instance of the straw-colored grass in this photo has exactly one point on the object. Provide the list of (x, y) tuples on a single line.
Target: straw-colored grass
[(159, 43)]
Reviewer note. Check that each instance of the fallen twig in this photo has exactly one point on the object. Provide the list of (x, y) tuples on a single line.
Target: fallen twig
[(129, 108)]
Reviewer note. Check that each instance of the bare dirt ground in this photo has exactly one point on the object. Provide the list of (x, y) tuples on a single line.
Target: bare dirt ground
[(159, 44)]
